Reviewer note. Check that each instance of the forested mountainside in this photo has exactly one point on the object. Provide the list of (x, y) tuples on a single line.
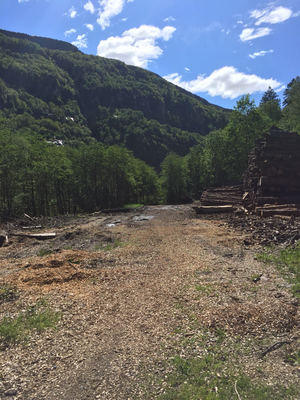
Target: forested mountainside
[(51, 44), (49, 87)]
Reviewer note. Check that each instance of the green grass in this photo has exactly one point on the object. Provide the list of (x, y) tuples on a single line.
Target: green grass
[(114, 245), (110, 246), (295, 358), (210, 373), (73, 261), (15, 330), (8, 293), (12, 330), (44, 252), (204, 289), (220, 334), (255, 278), (287, 262), (265, 257), (133, 205), (204, 379)]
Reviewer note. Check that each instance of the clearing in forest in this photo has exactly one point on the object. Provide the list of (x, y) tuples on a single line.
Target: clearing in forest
[(157, 303)]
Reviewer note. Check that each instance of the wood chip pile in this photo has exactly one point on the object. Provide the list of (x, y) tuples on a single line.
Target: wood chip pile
[(272, 180), (243, 319)]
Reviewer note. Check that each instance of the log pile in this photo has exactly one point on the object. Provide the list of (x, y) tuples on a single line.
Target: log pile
[(272, 180), (226, 195), (213, 209)]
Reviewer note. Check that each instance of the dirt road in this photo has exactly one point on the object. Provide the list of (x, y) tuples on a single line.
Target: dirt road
[(133, 290)]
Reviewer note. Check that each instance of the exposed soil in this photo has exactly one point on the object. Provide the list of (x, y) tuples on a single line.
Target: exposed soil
[(124, 285)]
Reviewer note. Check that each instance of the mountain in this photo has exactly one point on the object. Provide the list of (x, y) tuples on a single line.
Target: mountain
[(51, 44), (50, 87)]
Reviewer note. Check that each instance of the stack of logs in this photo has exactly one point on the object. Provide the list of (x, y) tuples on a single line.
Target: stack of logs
[(220, 200), (223, 196), (272, 180)]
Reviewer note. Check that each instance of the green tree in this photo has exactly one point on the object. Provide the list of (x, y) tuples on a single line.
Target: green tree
[(290, 90), (174, 178), (13, 155), (291, 110), (226, 151), (245, 126), (269, 95), (269, 107), (216, 158), (197, 172)]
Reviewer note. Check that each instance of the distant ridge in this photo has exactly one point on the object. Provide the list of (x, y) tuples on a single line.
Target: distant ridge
[(51, 44), (52, 89)]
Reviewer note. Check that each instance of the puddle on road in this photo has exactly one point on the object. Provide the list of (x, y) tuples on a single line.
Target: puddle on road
[(143, 218), (112, 224), (166, 208)]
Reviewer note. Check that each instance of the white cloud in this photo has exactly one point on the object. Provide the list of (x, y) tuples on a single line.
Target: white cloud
[(81, 41), (260, 53), (271, 15), (240, 22), (250, 33), (72, 12), (296, 14), (89, 6), (258, 13), (22, 1), (169, 19), (137, 46), (187, 69), (67, 33), (226, 82), (109, 9), (90, 26), (150, 32)]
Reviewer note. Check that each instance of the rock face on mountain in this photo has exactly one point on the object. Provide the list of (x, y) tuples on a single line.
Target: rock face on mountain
[(52, 88)]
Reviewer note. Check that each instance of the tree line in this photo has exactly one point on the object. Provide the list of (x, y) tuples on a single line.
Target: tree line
[(41, 178)]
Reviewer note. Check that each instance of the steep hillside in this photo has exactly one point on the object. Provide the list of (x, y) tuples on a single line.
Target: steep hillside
[(50, 87), (51, 44)]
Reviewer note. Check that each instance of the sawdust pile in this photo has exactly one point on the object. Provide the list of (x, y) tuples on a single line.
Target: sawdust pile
[(51, 270)]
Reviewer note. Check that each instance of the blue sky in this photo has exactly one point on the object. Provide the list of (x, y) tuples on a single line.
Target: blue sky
[(219, 50)]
